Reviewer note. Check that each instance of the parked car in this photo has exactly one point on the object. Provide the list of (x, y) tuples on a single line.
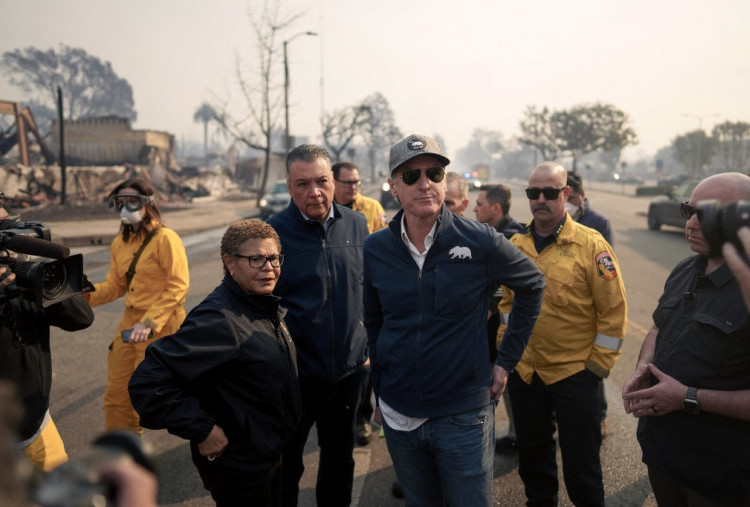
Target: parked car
[(665, 209), (672, 180), (275, 200), (620, 178), (475, 184)]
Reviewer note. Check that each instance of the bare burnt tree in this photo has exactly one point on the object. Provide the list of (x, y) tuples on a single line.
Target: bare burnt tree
[(379, 129), (536, 131), (261, 93), (342, 127)]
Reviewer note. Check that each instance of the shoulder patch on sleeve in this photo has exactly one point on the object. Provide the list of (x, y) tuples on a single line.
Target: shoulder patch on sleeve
[(605, 267)]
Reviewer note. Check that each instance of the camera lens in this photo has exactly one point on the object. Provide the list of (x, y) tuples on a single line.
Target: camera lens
[(54, 279), (736, 215), (720, 223)]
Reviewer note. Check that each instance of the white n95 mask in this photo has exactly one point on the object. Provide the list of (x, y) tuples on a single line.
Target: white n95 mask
[(573, 210), (130, 217)]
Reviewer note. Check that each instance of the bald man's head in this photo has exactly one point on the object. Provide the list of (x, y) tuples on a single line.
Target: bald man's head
[(726, 188), (552, 169), (548, 178)]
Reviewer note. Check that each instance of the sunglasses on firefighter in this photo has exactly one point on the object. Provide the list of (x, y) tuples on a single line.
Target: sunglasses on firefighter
[(550, 193), (411, 176)]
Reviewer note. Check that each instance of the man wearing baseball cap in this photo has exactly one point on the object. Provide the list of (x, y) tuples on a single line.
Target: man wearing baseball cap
[(427, 279)]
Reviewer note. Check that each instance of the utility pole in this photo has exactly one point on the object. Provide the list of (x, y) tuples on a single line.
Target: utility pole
[(287, 136), (60, 120)]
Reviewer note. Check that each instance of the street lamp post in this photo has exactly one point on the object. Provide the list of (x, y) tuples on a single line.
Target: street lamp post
[(287, 137), (700, 118)]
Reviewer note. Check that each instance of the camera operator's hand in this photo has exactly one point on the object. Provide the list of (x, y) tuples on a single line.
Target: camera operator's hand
[(135, 485), (214, 444), (141, 333), (737, 265), (6, 278)]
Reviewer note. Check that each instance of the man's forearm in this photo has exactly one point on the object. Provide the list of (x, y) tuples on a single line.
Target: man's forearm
[(734, 404), (649, 346)]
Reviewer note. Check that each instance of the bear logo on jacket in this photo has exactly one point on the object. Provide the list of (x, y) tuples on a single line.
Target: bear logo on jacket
[(461, 252)]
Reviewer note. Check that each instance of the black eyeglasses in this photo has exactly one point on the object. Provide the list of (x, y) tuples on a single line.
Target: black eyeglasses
[(550, 193), (687, 211), (258, 261), (411, 176), (353, 183)]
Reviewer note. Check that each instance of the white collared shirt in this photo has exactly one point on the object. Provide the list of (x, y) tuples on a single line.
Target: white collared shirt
[(395, 419), (326, 223)]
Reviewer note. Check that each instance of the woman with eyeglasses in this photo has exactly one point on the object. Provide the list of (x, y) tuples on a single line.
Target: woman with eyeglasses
[(154, 287), (227, 380)]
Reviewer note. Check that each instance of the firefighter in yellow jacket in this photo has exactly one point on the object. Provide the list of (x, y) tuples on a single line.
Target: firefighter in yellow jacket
[(346, 193), (154, 293), (575, 343)]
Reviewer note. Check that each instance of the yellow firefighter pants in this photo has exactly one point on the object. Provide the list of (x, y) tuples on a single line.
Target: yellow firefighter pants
[(122, 360), (47, 450)]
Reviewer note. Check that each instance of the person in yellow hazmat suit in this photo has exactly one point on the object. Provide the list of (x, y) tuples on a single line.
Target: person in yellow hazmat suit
[(148, 265)]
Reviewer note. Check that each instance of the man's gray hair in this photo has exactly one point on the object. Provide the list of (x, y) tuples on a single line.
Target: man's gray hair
[(455, 179), (307, 153)]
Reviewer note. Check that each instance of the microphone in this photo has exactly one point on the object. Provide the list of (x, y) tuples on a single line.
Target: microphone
[(34, 246), (688, 296)]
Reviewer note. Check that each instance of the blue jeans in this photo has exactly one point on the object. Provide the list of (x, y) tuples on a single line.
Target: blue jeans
[(447, 460)]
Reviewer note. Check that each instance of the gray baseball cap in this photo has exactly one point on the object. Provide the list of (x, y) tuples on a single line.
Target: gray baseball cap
[(414, 146)]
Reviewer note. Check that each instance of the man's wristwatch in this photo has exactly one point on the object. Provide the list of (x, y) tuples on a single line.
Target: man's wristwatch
[(690, 403)]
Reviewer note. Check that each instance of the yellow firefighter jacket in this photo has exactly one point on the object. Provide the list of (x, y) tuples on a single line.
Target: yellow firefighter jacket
[(584, 311), (372, 210), (159, 286)]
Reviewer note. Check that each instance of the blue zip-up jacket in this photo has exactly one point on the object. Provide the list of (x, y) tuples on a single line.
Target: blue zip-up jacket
[(595, 220), (427, 330), (321, 289)]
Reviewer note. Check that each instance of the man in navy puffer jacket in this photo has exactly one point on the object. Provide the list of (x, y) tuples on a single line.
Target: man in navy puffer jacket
[(321, 288), (428, 277)]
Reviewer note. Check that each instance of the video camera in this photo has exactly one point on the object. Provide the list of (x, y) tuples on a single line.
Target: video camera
[(50, 275), (720, 223), (78, 482)]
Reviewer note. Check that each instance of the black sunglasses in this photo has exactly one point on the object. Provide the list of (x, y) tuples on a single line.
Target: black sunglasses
[(687, 211), (411, 176), (550, 193)]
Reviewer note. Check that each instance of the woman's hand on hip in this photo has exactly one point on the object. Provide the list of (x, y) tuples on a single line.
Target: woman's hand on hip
[(214, 444)]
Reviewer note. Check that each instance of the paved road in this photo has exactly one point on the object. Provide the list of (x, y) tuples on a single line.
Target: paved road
[(80, 373)]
